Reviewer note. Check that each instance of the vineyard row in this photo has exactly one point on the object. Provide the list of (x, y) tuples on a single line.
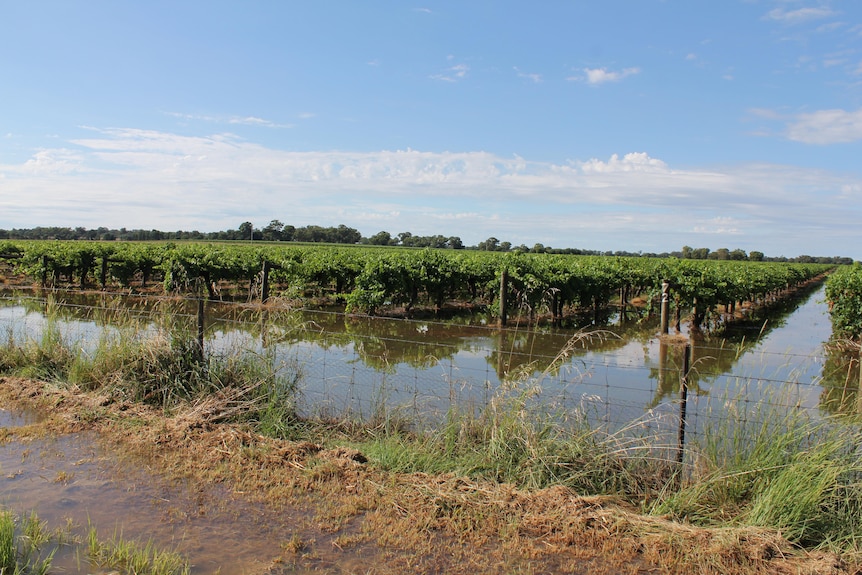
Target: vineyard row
[(368, 279)]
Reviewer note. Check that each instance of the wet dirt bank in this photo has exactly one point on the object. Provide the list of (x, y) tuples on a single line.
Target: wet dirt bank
[(237, 502)]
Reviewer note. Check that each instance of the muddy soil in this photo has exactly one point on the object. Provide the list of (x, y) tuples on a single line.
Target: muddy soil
[(299, 507)]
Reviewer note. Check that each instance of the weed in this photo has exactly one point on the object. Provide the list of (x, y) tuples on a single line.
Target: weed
[(161, 366), (63, 477), (132, 557), (21, 554), (778, 469), (294, 545)]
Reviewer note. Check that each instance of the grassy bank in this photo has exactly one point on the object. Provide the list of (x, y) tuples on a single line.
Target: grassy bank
[(775, 470)]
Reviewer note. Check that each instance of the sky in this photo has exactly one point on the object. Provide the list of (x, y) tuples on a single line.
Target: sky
[(633, 125)]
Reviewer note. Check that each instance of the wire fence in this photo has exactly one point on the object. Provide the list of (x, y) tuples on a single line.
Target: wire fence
[(419, 371)]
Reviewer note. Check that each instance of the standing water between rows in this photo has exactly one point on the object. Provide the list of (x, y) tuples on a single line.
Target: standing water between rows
[(354, 364), (360, 365)]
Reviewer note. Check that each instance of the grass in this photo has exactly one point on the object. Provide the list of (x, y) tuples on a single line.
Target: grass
[(21, 545), (162, 366), (127, 556), (515, 439), (28, 547), (773, 468), (778, 468)]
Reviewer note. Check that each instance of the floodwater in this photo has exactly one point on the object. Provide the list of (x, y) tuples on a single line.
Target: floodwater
[(360, 366), (354, 365), (78, 479)]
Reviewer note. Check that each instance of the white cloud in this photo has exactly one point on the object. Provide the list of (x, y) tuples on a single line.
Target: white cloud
[(633, 162), (150, 179), (718, 225), (253, 121), (826, 127), (798, 16), (535, 78), (52, 162), (598, 76), (453, 73), (234, 120)]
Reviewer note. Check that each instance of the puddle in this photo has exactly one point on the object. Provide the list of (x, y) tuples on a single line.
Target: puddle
[(18, 418), (76, 477)]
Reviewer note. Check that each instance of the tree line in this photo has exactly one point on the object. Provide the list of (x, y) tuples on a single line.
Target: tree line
[(276, 231)]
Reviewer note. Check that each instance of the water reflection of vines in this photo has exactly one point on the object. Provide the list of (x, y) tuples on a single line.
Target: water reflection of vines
[(841, 380), (384, 344), (715, 354)]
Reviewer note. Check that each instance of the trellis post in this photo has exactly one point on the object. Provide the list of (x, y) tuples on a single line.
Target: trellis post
[(665, 305), (504, 283), (683, 400)]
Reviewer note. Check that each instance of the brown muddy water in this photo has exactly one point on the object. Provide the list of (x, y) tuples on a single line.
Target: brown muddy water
[(79, 479)]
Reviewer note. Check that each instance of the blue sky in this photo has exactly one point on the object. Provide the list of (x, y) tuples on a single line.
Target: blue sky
[(637, 125)]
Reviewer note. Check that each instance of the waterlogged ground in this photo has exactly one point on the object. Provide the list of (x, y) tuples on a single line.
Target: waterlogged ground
[(72, 480), (237, 503), (78, 478), (356, 365)]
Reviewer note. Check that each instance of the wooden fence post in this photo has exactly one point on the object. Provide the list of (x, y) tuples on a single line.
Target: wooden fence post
[(504, 285), (665, 305), (264, 289), (624, 303), (103, 273), (859, 392), (683, 400), (556, 318), (201, 326), (44, 271)]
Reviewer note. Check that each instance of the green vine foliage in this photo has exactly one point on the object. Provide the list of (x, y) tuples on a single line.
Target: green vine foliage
[(844, 293), (368, 278)]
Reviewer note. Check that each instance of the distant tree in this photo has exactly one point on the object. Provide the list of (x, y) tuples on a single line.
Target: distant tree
[(309, 234), (246, 229), (719, 254), (738, 254), (755, 256), (492, 244), (437, 241), (346, 235), (340, 235), (272, 232), (700, 254), (455, 243), (686, 252), (380, 239)]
